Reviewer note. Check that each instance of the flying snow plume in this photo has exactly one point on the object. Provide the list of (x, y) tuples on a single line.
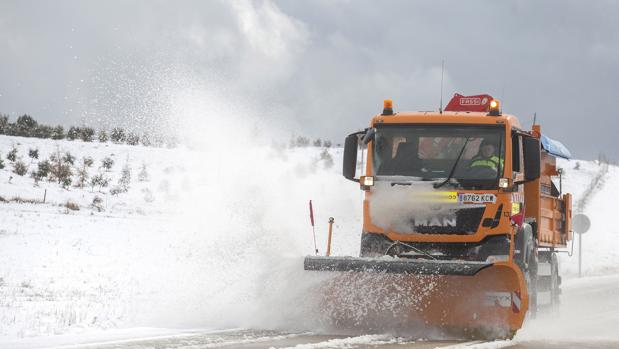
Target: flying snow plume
[(232, 253), (241, 227), (228, 250)]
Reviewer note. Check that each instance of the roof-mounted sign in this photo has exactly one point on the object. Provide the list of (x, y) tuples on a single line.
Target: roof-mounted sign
[(477, 103)]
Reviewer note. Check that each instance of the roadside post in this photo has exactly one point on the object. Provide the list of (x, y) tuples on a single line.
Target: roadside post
[(581, 224)]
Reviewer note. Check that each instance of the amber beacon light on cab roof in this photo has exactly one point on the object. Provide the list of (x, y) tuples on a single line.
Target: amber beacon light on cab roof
[(463, 200)]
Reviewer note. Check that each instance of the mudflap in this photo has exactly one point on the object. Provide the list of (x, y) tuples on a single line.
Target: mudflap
[(472, 299)]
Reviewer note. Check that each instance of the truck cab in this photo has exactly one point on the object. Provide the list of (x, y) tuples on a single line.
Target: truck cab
[(456, 184)]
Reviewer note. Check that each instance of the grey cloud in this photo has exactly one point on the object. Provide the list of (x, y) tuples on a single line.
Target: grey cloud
[(319, 68)]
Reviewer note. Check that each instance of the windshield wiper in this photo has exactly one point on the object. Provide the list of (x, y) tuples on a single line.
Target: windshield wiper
[(453, 169)]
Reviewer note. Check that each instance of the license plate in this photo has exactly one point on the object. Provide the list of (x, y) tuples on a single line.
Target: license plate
[(467, 198)]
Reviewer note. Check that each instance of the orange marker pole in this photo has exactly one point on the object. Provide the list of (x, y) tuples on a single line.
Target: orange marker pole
[(331, 220)]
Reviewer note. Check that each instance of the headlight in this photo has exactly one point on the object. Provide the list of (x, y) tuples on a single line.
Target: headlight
[(503, 183), (367, 181)]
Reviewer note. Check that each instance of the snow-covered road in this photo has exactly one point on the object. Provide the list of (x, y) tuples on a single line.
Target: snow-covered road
[(588, 318)]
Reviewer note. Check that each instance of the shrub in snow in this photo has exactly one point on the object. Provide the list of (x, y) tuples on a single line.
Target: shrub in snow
[(43, 169), (302, 142), (66, 182), (12, 155), (58, 132), (20, 168), (60, 170), (68, 158), (87, 134), (143, 175), (317, 143), (73, 133), (157, 140), (577, 166), (125, 178), (145, 140), (82, 177), (33, 153), (82, 171), (133, 139), (25, 126), (99, 180), (43, 131), (97, 204), (326, 158), (171, 142), (4, 124), (107, 163), (1, 162), (327, 144), (118, 135), (72, 206), (103, 137), (88, 161)]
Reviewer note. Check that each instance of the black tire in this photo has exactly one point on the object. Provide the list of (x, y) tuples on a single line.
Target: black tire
[(550, 283), (526, 258), (556, 282), (531, 277), (374, 245)]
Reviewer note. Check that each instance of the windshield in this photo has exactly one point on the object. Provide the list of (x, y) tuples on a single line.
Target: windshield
[(434, 151)]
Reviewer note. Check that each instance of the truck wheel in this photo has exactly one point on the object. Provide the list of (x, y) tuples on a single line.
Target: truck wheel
[(374, 245), (549, 283), (531, 276), (526, 258)]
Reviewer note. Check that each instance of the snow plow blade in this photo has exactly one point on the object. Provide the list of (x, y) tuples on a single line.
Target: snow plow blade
[(397, 266), (462, 298)]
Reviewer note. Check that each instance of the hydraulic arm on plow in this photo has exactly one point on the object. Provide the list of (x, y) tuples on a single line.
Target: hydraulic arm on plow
[(461, 221)]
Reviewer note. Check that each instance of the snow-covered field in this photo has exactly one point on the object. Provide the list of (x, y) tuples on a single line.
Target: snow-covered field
[(186, 247), (211, 238)]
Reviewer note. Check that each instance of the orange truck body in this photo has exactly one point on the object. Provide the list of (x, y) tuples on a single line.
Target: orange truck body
[(552, 213), (526, 213)]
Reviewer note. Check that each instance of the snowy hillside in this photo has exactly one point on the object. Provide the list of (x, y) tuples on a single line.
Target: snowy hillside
[(190, 238), (201, 237)]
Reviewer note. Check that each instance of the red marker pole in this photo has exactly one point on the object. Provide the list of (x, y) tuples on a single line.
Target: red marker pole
[(313, 229)]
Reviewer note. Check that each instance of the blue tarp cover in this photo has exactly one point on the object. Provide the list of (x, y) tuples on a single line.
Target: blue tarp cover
[(555, 148)]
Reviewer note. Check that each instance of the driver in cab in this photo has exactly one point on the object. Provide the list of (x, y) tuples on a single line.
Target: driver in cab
[(487, 156)]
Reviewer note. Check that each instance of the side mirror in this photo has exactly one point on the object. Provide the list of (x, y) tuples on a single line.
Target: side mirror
[(532, 158), (369, 136), (350, 156)]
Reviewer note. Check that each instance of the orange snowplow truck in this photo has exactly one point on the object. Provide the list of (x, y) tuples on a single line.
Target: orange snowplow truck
[(463, 209)]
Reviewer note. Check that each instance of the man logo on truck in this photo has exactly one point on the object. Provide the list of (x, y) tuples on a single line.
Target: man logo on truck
[(436, 222)]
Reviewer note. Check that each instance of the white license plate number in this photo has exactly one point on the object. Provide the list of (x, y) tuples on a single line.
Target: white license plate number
[(468, 198)]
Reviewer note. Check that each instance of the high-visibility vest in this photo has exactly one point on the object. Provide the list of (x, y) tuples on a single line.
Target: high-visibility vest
[(491, 162)]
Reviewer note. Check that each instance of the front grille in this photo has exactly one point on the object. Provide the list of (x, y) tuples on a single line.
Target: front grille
[(463, 221)]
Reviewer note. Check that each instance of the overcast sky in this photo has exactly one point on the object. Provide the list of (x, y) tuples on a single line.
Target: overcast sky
[(318, 68)]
